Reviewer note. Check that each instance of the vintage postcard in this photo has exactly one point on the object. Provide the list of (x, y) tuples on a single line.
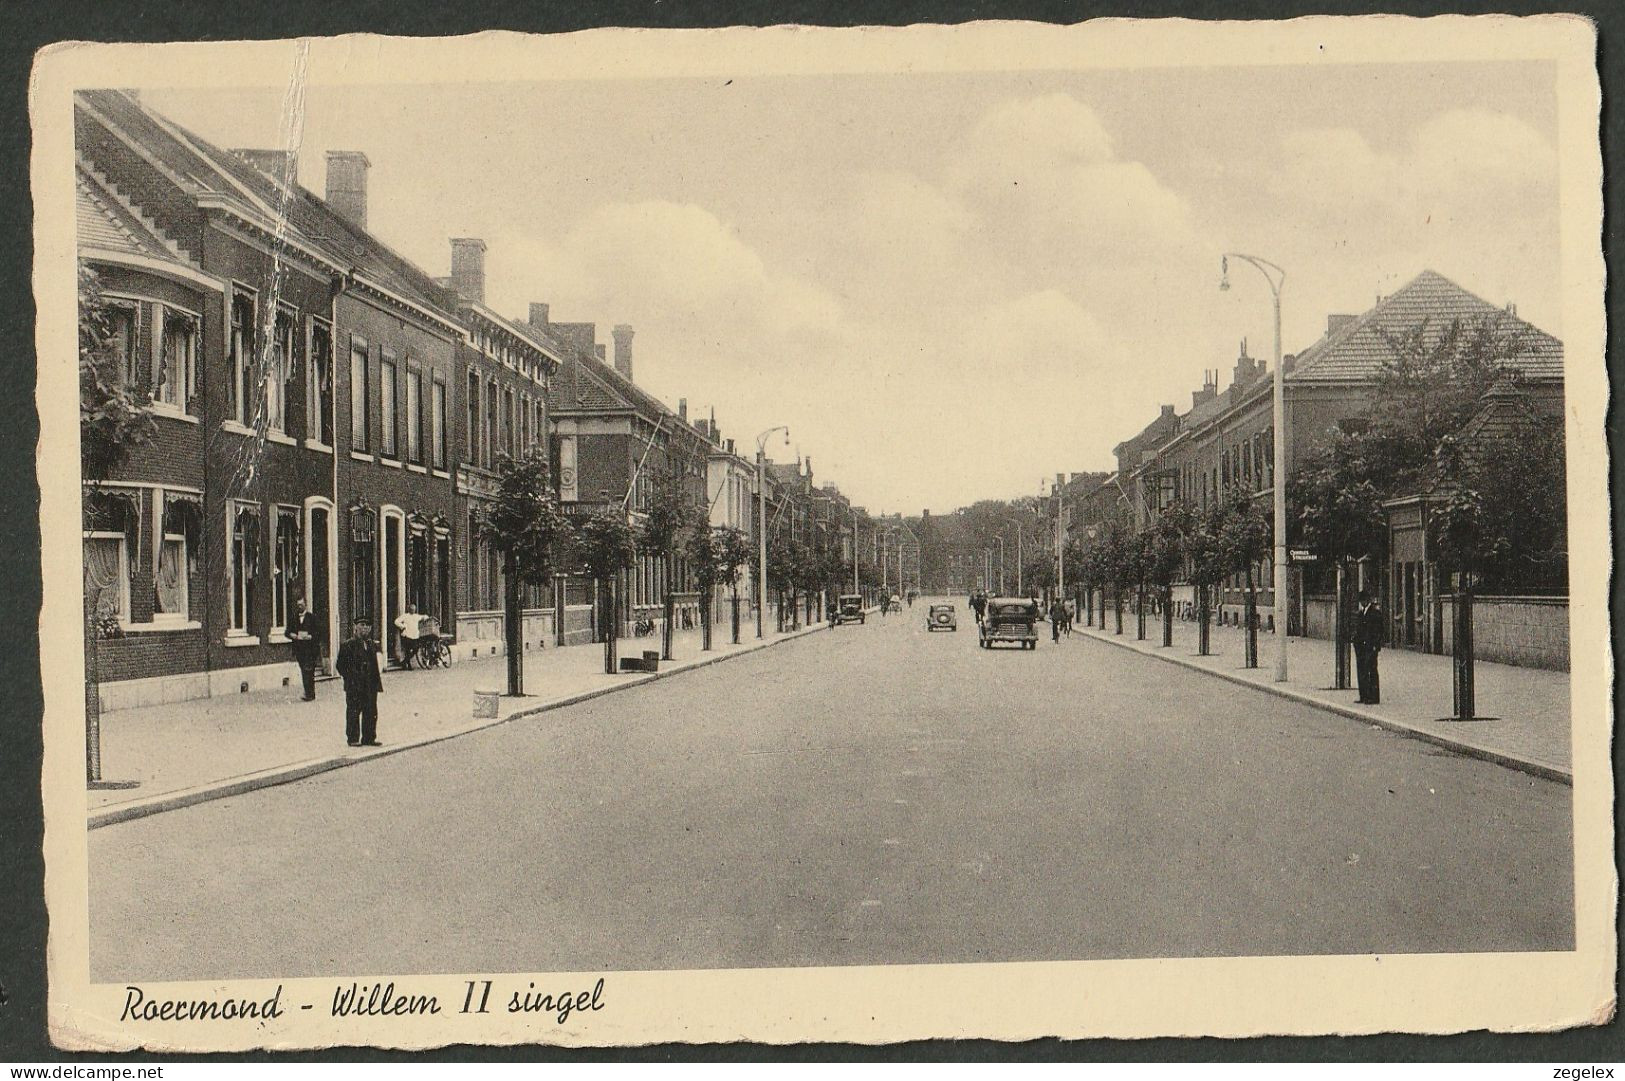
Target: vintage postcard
[(793, 534)]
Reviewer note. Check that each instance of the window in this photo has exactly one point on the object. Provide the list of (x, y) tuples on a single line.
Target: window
[(242, 356), (244, 530), (171, 579), (472, 441), (319, 389), (492, 436), (286, 585), (279, 371), (175, 369), (360, 399), (510, 431), (437, 422), (123, 321), (414, 416), (107, 578), (386, 402)]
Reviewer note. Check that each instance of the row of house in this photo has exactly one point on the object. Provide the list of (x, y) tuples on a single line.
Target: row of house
[(1224, 445), (329, 419)]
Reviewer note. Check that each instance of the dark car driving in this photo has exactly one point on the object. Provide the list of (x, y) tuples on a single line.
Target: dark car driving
[(1010, 620), (849, 609)]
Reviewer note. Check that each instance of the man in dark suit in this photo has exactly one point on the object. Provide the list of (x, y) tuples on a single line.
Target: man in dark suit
[(1370, 631), (306, 633), (360, 664)]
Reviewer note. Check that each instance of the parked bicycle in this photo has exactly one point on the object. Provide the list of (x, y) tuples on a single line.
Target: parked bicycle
[(433, 651)]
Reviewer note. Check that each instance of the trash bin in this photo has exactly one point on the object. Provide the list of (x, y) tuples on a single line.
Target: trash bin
[(485, 704)]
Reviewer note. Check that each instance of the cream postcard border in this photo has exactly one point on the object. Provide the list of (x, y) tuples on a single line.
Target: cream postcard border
[(1177, 997)]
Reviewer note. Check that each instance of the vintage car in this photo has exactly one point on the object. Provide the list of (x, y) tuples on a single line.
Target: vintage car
[(941, 617), (848, 609), (1009, 620)]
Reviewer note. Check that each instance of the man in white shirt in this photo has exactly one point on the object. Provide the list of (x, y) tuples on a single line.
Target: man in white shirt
[(410, 624)]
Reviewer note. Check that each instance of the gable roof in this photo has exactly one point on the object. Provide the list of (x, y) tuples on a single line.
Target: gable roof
[(1357, 351), (107, 222), (199, 168)]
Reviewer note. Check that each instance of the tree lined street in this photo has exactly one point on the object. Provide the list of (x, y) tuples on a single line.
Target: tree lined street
[(869, 794)]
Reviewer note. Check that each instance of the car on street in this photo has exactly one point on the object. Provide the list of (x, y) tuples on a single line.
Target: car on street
[(941, 617), (848, 609), (1009, 620)]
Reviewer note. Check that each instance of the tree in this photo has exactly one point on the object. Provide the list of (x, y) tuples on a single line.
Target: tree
[(113, 420), (1204, 560), (526, 526), (606, 548), (113, 415), (1116, 563), (704, 558), (1165, 556), (1244, 539), (733, 554), (669, 519)]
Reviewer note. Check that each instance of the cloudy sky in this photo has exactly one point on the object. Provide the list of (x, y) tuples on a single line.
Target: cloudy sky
[(950, 286)]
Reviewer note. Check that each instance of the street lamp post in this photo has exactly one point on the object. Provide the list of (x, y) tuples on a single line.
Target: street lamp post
[(761, 518), (1275, 280), (1000, 539)]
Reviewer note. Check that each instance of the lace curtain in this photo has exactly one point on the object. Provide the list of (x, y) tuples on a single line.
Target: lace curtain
[(103, 578), (171, 580)]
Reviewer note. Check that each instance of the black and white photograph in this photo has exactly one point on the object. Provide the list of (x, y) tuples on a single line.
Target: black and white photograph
[(1117, 516)]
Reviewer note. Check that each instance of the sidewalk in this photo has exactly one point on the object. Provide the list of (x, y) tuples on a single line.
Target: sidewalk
[(1526, 724), (209, 748)]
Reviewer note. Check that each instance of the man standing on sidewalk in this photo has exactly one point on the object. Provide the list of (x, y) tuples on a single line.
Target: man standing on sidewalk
[(306, 633), (1369, 630), (360, 663)]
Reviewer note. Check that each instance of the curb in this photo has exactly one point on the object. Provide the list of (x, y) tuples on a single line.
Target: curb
[(278, 775), (1543, 770)]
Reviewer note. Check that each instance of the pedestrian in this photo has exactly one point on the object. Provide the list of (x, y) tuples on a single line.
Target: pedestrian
[(361, 665), (410, 624), (306, 633), (1370, 630), (1057, 619)]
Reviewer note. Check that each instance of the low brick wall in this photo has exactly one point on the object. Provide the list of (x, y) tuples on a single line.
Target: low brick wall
[(1528, 631)]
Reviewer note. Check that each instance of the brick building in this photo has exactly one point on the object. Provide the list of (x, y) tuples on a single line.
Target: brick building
[(230, 322)]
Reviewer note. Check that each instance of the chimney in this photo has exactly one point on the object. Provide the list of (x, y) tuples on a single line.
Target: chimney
[(1335, 323), (538, 315), (1288, 362), (468, 268), (276, 164), (1167, 411), (682, 407), (623, 348), (1209, 391), (598, 351), (1512, 309), (347, 185)]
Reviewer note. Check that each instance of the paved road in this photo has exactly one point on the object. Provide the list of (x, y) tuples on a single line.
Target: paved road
[(875, 794)]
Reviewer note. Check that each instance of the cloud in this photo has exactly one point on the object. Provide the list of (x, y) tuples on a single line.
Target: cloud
[(1045, 170), (1458, 162)]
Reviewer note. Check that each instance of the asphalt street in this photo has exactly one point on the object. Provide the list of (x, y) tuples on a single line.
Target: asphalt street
[(871, 794)]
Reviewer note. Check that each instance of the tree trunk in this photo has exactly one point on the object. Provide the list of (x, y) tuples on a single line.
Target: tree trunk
[(1167, 615), (1252, 620), (705, 620), (513, 628), (1461, 687), (670, 608), (1202, 642), (1117, 607), (1340, 631), (734, 603), (607, 607), (93, 702), (1139, 603)]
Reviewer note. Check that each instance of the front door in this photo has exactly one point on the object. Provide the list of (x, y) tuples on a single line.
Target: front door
[(392, 582), (321, 579)]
